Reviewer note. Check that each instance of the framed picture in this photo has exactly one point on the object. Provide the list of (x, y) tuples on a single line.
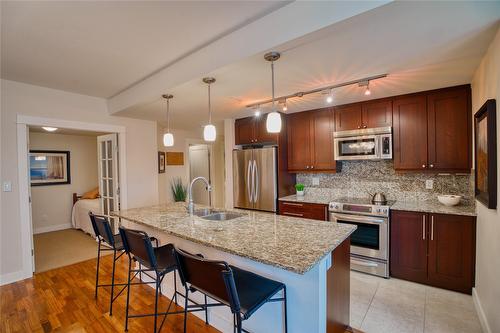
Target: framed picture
[(485, 154), (161, 162), (49, 167)]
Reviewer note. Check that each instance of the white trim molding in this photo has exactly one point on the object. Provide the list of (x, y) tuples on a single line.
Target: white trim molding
[(50, 228), (480, 312), (23, 122)]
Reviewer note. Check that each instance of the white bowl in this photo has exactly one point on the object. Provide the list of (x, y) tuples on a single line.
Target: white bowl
[(449, 200)]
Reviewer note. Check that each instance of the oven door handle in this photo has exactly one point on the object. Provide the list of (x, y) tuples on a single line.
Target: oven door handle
[(363, 263), (362, 219)]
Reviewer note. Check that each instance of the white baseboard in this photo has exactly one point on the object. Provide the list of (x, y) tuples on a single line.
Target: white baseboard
[(50, 228), (480, 313), (12, 277)]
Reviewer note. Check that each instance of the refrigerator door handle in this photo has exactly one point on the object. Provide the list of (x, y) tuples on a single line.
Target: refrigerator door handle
[(249, 189), (256, 178)]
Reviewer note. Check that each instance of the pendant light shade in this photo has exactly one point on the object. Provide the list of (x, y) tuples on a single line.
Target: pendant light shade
[(209, 131), (168, 138), (273, 120)]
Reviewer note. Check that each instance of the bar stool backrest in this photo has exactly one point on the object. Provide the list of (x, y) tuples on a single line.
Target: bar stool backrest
[(102, 228), (212, 277), (137, 243)]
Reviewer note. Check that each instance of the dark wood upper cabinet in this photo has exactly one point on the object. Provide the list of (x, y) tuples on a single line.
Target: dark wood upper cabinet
[(251, 130), (299, 141), (449, 130), (348, 117), (310, 141), (435, 249), (452, 251), (410, 133), (322, 157), (377, 113), (408, 259)]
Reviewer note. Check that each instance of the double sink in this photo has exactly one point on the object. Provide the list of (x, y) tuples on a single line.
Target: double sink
[(211, 214)]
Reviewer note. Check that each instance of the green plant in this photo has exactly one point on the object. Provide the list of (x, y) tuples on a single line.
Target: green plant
[(179, 191), (299, 187)]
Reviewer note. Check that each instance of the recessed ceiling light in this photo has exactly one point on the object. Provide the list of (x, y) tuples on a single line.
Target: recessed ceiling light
[(50, 129)]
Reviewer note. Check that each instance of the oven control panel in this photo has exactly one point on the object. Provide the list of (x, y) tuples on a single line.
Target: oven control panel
[(362, 209)]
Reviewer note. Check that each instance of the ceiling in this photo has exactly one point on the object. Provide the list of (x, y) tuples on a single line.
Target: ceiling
[(100, 48), (421, 46)]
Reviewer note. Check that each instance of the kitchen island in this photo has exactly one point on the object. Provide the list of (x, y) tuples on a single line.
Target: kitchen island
[(310, 257)]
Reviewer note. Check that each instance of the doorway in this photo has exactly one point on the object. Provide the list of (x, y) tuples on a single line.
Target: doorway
[(199, 166)]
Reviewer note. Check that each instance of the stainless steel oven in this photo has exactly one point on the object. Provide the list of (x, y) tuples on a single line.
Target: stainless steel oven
[(370, 241), (363, 144)]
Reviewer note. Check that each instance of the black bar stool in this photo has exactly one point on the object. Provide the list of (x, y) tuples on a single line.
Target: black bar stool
[(243, 291), (107, 242), (160, 260)]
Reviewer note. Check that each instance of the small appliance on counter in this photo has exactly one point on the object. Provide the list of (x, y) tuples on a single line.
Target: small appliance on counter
[(363, 144), (370, 241)]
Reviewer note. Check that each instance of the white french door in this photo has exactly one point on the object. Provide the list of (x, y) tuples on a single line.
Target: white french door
[(109, 186)]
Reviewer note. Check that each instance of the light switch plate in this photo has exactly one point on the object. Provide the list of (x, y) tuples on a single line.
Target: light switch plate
[(429, 184), (7, 186), (315, 181)]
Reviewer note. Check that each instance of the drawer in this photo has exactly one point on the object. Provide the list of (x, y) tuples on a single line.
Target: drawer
[(304, 210)]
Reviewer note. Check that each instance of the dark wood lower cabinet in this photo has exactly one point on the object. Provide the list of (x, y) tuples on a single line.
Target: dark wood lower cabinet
[(434, 249), (304, 210)]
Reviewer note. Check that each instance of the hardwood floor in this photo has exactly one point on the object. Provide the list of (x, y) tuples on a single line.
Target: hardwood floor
[(62, 300)]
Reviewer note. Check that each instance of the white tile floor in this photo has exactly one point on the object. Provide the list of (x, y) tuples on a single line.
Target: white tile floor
[(390, 305)]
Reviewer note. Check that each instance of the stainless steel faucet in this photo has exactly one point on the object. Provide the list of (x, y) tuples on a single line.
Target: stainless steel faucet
[(190, 193)]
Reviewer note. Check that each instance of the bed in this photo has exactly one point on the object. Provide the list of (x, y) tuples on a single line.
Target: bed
[(80, 214)]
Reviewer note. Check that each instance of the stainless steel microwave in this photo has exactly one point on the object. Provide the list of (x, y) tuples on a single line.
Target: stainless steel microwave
[(363, 144)]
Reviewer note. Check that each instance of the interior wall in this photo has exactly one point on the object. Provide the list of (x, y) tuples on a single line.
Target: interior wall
[(24, 99), (52, 205), (486, 85)]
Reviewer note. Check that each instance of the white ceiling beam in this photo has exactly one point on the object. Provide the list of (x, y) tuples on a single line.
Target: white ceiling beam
[(285, 24)]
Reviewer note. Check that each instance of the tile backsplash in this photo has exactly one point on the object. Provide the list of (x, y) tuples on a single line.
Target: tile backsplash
[(359, 178)]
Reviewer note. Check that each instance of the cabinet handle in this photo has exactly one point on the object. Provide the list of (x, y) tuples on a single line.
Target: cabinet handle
[(423, 166), (293, 204), (431, 166), (307, 166), (293, 214), (423, 227), (359, 127), (312, 166), (432, 227), (364, 126)]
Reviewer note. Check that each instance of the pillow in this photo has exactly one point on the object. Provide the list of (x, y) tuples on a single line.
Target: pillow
[(94, 194)]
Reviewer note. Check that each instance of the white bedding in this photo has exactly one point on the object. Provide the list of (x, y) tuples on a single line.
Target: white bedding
[(80, 215)]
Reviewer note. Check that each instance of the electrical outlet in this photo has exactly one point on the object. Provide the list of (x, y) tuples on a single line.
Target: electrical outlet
[(429, 184), (7, 186), (315, 181)]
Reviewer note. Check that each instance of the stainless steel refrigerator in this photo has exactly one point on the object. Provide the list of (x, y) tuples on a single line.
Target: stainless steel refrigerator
[(255, 181)]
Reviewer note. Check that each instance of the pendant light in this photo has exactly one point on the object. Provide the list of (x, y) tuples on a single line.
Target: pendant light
[(168, 138), (273, 121), (209, 132)]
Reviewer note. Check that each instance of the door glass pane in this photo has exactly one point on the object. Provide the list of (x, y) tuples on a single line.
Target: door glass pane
[(111, 205), (103, 149), (110, 168), (103, 169), (105, 208), (109, 150), (357, 147), (104, 188), (110, 187)]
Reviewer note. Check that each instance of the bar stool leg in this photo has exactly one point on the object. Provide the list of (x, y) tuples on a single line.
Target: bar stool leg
[(238, 323), (284, 306), (128, 293), (175, 288), (97, 267), (112, 284), (206, 310), (185, 309), (157, 285)]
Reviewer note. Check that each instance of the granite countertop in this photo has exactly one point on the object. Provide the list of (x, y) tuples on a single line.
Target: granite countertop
[(434, 206), (430, 206), (290, 243)]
